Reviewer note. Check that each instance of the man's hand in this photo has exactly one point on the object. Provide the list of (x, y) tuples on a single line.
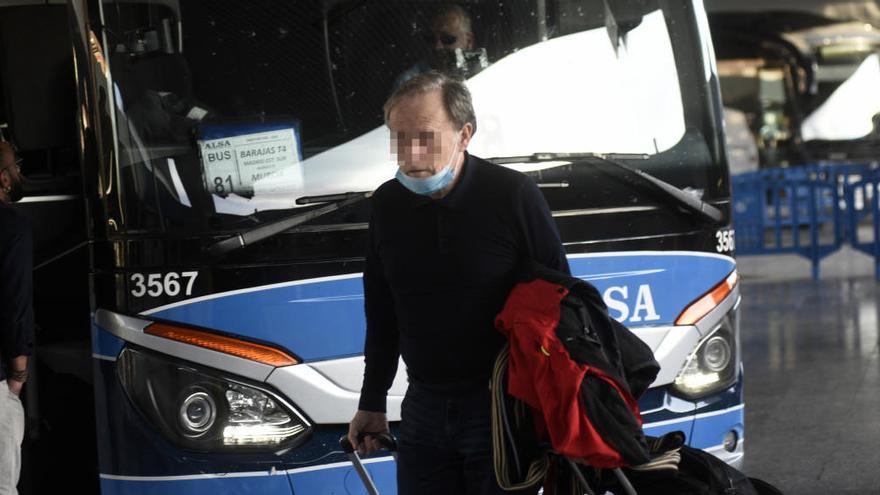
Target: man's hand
[(370, 422), (15, 386)]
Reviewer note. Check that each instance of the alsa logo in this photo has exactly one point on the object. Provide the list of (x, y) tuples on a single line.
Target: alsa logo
[(213, 145), (630, 306)]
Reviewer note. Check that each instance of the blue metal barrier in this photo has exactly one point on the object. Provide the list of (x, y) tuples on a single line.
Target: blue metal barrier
[(809, 210), (864, 198)]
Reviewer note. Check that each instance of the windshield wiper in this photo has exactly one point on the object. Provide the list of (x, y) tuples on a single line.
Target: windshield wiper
[(263, 232), (678, 196)]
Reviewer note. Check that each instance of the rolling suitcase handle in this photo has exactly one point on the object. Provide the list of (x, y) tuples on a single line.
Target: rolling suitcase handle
[(387, 441), (621, 478)]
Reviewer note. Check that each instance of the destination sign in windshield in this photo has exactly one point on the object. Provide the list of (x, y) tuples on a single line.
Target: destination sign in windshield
[(233, 164)]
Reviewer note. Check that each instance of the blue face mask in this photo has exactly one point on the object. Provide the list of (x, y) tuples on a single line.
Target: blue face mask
[(432, 184)]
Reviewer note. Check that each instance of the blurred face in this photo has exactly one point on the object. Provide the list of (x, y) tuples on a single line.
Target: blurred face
[(449, 33), (423, 139)]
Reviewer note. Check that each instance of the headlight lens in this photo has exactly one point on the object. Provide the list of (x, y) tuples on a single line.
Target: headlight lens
[(711, 367), (717, 354), (198, 412), (204, 411)]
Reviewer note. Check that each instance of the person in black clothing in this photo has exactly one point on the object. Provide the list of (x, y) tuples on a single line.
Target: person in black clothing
[(16, 318), (446, 237), (449, 29)]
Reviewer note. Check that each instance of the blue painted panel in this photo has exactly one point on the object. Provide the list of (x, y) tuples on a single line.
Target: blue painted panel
[(105, 343), (651, 288), (343, 479), (268, 485), (684, 426), (323, 318), (709, 431)]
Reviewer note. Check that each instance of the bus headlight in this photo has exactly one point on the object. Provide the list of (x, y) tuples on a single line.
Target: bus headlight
[(198, 412), (717, 354), (206, 411), (710, 368), (255, 419)]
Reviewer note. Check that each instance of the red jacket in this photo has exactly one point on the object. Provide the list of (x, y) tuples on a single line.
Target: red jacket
[(543, 374)]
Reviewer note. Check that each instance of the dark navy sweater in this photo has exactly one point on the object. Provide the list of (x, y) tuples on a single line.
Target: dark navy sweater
[(438, 272), (16, 287)]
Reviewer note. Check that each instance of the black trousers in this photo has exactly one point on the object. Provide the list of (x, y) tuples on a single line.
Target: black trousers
[(445, 444)]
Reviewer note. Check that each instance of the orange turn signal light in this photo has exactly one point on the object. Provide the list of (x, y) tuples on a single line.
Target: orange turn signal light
[(702, 306), (227, 345)]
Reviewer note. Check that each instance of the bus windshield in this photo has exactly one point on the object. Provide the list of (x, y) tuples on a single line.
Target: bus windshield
[(228, 112)]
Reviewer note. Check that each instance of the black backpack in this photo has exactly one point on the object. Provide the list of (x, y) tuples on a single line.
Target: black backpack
[(698, 473), (661, 465)]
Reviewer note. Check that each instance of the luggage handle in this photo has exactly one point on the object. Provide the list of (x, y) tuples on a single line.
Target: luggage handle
[(387, 441)]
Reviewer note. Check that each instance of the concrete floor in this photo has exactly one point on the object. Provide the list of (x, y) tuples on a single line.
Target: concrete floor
[(810, 351)]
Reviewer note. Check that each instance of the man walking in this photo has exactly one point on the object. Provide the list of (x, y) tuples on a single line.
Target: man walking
[(446, 237), (16, 318)]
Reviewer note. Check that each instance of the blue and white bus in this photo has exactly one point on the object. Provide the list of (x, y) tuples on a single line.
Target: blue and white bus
[(228, 149)]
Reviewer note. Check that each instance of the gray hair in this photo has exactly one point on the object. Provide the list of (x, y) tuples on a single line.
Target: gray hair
[(456, 96)]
